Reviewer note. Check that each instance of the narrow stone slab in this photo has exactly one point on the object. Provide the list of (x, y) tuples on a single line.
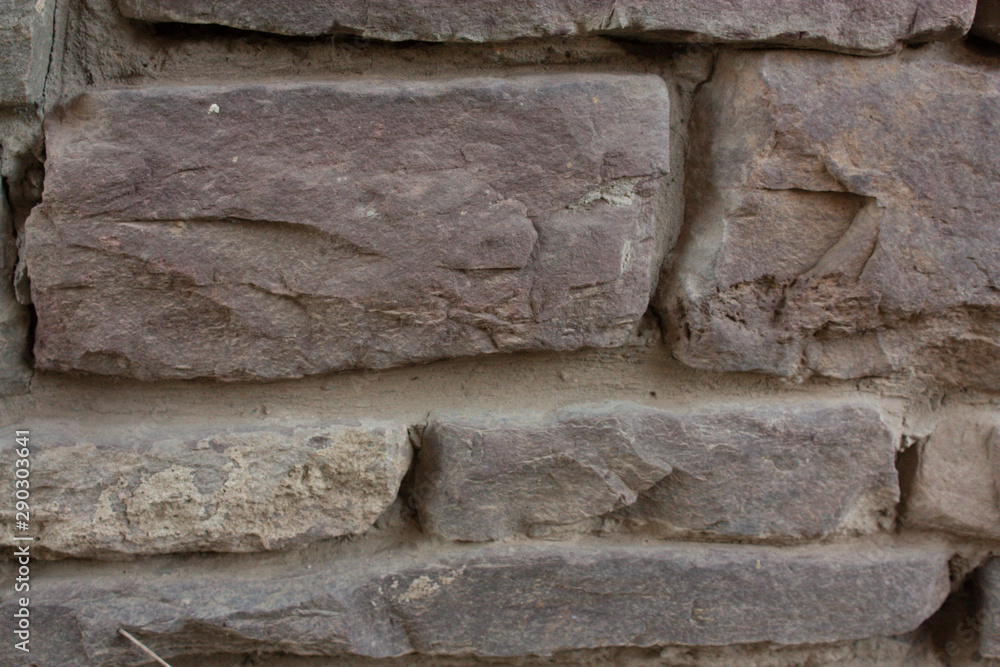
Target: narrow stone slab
[(956, 486), (825, 238), (126, 491), (761, 472), (856, 26), (989, 641), (358, 225), (25, 46), (510, 601)]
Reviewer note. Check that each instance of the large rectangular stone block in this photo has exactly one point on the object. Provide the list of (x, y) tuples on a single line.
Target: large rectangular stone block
[(840, 219), (956, 484), (500, 601), (113, 493), (25, 47), (856, 26), (745, 472), (272, 231)]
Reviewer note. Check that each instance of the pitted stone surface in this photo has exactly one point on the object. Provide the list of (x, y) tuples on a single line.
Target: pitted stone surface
[(840, 219), (25, 46), (279, 230), (122, 492)]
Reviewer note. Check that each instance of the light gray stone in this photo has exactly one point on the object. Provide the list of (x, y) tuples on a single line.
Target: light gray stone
[(128, 491), (856, 26), (747, 472), (840, 219), (499, 601), (280, 230), (25, 45), (956, 485)]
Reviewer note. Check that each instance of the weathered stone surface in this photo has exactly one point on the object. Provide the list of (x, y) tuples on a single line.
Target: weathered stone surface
[(987, 21), (859, 26), (841, 219), (496, 602), (771, 471), (136, 491), (485, 478), (25, 44), (15, 319), (956, 485), (989, 641), (281, 230)]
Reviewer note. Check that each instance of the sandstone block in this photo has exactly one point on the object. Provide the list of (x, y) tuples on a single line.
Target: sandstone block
[(25, 44), (840, 219), (358, 225), (956, 486), (762, 472), (856, 26), (500, 601), (989, 643), (133, 491)]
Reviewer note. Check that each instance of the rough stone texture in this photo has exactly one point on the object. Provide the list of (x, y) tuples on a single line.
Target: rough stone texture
[(15, 319), (987, 21), (144, 491), (989, 642), (911, 650), (495, 602), (25, 44), (485, 478), (766, 471), (841, 219), (860, 26), (357, 225), (956, 485)]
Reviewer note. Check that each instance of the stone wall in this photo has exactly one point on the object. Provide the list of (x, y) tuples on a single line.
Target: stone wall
[(576, 332)]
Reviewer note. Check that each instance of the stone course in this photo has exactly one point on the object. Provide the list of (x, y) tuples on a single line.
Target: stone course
[(503, 601), (860, 26)]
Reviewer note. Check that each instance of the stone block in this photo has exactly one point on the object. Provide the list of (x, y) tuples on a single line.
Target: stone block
[(786, 472), (492, 602), (840, 219), (854, 26), (956, 484), (139, 490), (25, 45), (279, 230)]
